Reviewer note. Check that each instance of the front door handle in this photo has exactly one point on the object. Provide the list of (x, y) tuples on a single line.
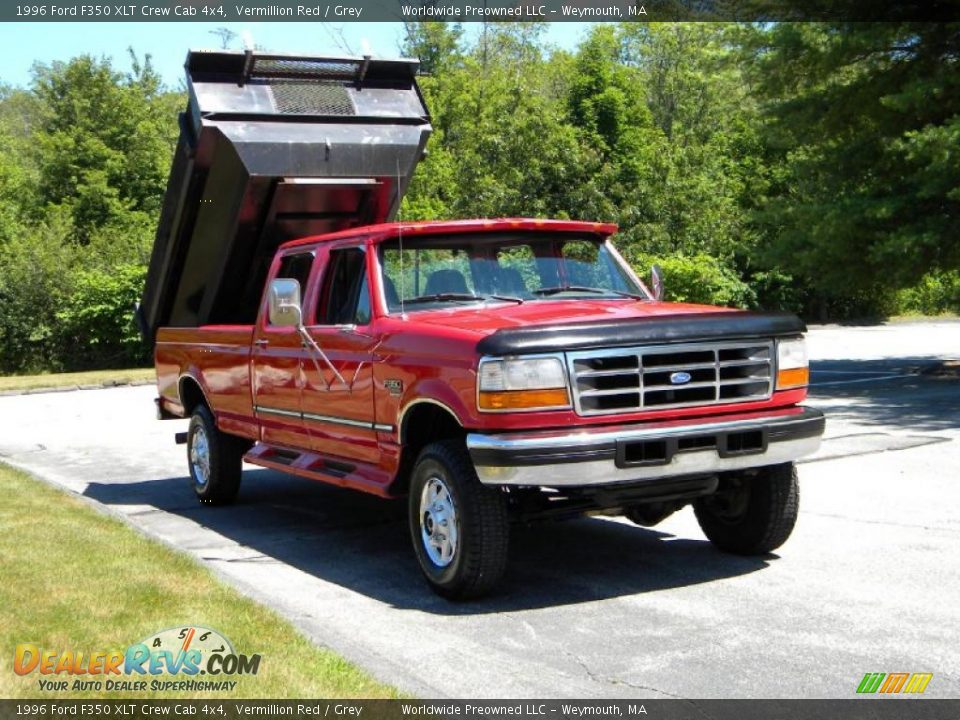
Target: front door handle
[(261, 342)]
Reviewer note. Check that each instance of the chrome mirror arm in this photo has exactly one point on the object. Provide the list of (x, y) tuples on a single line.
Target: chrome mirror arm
[(309, 341)]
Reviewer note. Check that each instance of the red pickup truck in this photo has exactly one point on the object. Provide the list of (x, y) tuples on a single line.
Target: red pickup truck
[(489, 370)]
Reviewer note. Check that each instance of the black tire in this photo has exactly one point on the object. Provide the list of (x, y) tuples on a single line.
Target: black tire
[(751, 514), (479, 559), (224, 455)]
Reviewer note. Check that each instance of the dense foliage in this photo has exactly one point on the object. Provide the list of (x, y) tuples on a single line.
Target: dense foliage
[(812, 167), (84, 157)]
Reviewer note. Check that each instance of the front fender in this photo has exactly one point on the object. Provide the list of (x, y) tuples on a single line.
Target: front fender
[(436, 392)]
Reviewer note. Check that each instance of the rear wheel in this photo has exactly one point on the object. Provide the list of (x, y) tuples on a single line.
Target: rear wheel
[(751, 514), (459, 527), (215, 459)]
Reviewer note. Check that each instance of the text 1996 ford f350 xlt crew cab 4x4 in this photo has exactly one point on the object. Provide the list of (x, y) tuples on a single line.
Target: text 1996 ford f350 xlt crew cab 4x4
[(489, 370)]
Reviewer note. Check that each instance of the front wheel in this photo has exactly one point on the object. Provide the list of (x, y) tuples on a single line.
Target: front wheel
[(459, 527), (215, 459), (751, 514)]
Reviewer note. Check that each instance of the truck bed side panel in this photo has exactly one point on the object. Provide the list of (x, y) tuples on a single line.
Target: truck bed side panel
[(218, 359)]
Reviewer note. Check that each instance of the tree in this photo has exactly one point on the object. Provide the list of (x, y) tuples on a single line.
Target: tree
[(436, 44), (18, 175), (84, 155), (866, 121), (225, 35), (502, 146), (607, 105), (103, 140), (706, 169)]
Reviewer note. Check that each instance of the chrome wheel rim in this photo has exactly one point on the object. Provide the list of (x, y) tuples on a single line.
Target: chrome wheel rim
[(439, 526), (200, 456)]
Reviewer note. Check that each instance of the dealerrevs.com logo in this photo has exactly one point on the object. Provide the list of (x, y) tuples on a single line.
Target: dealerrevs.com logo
[(170, 660)]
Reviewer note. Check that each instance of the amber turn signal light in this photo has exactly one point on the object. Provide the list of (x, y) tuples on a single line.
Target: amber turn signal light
[(794, 377), (523, 399)]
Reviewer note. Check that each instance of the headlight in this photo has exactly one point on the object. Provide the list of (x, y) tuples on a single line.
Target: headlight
[(792, 364), (522, 384)]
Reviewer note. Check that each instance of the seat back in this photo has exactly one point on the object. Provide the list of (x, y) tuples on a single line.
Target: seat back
[(510, 282), (446, 281)]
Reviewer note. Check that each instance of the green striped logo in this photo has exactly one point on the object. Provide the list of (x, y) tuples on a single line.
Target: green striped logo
[(889, 683)]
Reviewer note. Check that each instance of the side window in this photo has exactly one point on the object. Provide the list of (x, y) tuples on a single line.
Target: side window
[(297, 267), (363, 314), (344, 298)]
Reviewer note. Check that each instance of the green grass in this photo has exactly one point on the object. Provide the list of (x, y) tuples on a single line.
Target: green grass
[(915, 317), (76, 579), (61, 380)]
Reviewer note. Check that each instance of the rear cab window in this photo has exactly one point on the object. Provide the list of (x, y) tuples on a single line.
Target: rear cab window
[(344, 297)]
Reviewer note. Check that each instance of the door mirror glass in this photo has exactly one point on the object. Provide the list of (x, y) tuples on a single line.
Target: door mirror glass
[(284, 303), (656, 282)]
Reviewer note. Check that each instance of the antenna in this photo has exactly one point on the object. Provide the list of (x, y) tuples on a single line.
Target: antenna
[(403, 292)]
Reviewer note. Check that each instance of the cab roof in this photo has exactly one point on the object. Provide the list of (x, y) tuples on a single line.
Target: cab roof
[(384, 231)]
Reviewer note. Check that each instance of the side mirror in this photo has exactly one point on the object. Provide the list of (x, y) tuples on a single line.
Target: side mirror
[(656, 282), (284, 303)]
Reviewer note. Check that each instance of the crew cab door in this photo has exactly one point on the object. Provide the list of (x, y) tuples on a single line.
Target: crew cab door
[(338, 410), (277, 359)]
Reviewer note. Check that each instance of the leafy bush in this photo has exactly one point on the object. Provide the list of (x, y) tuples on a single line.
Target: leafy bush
[(35, 277), (936, 293), (698, 278), (96, 320)]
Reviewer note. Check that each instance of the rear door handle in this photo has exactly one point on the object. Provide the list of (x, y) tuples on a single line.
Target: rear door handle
[(262, 342)]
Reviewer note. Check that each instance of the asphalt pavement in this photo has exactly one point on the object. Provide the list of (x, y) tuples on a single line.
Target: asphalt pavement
[(596, 607)]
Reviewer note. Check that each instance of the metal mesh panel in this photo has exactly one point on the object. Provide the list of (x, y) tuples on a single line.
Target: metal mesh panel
[(302, 97), (299, 68)]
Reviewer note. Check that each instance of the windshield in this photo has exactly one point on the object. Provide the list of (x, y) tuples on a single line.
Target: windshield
[(437, 271)]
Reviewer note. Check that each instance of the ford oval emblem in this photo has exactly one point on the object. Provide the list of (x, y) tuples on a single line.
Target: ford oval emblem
[(679, 378)]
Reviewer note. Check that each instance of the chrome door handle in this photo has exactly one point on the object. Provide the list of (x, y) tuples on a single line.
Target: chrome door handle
[(262, 342)]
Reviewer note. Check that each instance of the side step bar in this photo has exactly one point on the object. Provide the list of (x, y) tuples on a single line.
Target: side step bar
[(315, 466)]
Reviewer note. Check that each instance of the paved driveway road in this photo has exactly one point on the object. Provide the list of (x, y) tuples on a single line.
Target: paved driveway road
[(595, 607)]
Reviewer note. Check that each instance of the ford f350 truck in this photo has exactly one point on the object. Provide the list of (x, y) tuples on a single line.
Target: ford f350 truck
[(488, 370)]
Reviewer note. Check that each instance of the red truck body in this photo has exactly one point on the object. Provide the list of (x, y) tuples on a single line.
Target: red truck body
[(489, 370), (358, 430)]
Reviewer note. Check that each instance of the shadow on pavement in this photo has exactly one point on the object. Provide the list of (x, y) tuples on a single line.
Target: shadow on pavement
[(361, 542), (863, 391)]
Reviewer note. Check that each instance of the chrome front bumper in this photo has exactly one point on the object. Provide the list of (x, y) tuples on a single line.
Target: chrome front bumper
[(630, 453)]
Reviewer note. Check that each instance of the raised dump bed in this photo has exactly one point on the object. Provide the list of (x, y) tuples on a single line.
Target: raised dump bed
[(271, 148)]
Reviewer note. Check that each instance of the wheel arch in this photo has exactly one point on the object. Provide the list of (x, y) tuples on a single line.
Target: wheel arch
[(422, 422), (192, 394)]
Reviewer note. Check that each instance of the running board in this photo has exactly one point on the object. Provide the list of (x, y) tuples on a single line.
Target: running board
[(314, 466)]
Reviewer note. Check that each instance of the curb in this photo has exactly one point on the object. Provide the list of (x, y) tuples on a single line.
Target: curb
[(71, 388)]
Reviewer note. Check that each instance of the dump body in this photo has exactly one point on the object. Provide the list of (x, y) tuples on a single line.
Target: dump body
[(273, 148)]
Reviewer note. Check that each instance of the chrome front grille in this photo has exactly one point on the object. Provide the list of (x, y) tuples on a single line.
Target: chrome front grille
[(667, 376)]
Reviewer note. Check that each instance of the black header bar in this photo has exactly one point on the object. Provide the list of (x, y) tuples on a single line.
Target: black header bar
[(467, 11)]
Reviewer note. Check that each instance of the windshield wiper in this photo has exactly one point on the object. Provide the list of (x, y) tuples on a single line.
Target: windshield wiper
[(507, 298), (582, 288), (460, 297), (443, 297)]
